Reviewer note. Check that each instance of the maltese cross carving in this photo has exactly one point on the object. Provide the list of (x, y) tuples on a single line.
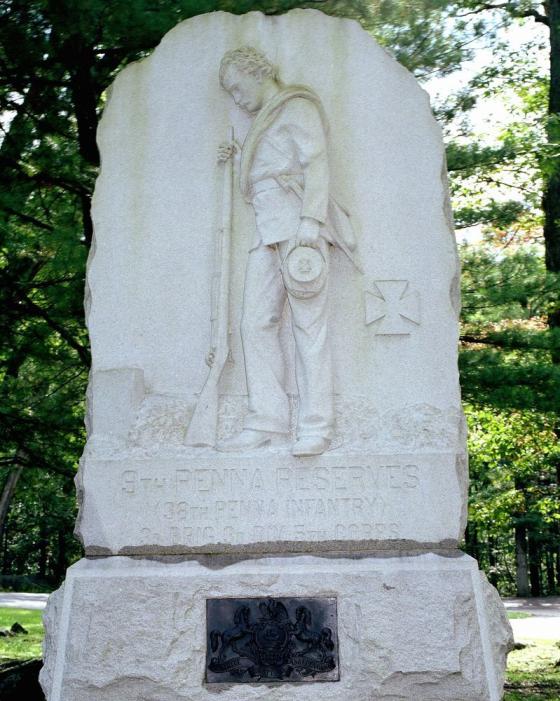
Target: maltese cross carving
[(393, 307)]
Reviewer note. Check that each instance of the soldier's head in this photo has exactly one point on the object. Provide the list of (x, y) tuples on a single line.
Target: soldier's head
[(249, 77)]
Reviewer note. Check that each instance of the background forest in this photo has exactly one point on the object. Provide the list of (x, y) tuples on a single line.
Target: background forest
[(58, 57)]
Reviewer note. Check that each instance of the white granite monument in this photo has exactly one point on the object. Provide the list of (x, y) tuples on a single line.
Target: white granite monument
[(275, 480)]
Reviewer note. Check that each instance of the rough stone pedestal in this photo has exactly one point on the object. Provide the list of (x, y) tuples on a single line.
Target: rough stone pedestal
[(428, 627)]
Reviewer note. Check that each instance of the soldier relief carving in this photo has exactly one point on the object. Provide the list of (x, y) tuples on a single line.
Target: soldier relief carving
[(284, 175)]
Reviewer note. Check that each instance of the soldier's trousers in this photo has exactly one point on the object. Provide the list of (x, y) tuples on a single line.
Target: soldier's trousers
[(264, 300)]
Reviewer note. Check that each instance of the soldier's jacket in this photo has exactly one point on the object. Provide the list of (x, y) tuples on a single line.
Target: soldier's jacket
[(285, 153)]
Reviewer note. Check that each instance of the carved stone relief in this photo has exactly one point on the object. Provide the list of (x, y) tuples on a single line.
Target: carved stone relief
[(360, 427), (161, 420), (393, 307), (284, 175)]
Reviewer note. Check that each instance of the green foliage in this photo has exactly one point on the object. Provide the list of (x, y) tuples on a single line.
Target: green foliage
[(513, 461), (39, 530), (21, 647), (512, 384), (506, 355), (500, 285), (474, 157), (500, 214), (497, 178), (423, 35)]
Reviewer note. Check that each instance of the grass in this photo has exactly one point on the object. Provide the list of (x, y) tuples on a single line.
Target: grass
[(21, 647), (534, 673), (518, 614)]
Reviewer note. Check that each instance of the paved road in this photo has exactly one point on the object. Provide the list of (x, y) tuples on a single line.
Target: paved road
[(546, 606), (544, 622), (23, 601)]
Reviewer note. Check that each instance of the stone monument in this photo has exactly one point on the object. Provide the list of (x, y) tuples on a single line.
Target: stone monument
[(275, 480)]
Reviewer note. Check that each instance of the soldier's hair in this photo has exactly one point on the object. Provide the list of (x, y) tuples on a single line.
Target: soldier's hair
[(248, 60)]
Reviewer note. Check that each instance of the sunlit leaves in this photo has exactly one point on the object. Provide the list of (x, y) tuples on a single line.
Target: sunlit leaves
[(513, 462)]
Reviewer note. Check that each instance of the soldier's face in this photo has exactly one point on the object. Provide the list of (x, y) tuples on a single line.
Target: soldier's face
[(246, 90)]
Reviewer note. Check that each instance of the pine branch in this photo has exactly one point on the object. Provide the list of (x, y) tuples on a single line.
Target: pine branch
[(28, 218), (467, 338), (43, 178), (36, 310), (24, 460), (40, 284), (511, 8)]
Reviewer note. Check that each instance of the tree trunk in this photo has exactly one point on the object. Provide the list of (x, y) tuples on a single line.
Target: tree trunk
[(522, 570), (550, 572), (557, 526), (5, 567), (43, 547), (60, 564), (492, 572), (470, 539), (551, 198), (534, 566), (80, 58), (7, 494)]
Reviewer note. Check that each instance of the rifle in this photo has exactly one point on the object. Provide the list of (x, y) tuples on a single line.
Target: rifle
[(203, 426)]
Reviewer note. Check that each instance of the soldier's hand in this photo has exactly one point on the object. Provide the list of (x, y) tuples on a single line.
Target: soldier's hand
[(210, 357), (308, 232), (226, 151)]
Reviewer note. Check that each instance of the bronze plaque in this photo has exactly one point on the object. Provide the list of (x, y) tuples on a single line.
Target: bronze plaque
[(271, 640)]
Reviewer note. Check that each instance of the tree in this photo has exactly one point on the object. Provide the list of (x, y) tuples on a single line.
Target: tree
[(513, 489), (513, 393), (548, 14), (520, 350)]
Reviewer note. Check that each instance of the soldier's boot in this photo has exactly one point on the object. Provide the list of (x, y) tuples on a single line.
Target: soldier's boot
[(310, 445), (248, 439)]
